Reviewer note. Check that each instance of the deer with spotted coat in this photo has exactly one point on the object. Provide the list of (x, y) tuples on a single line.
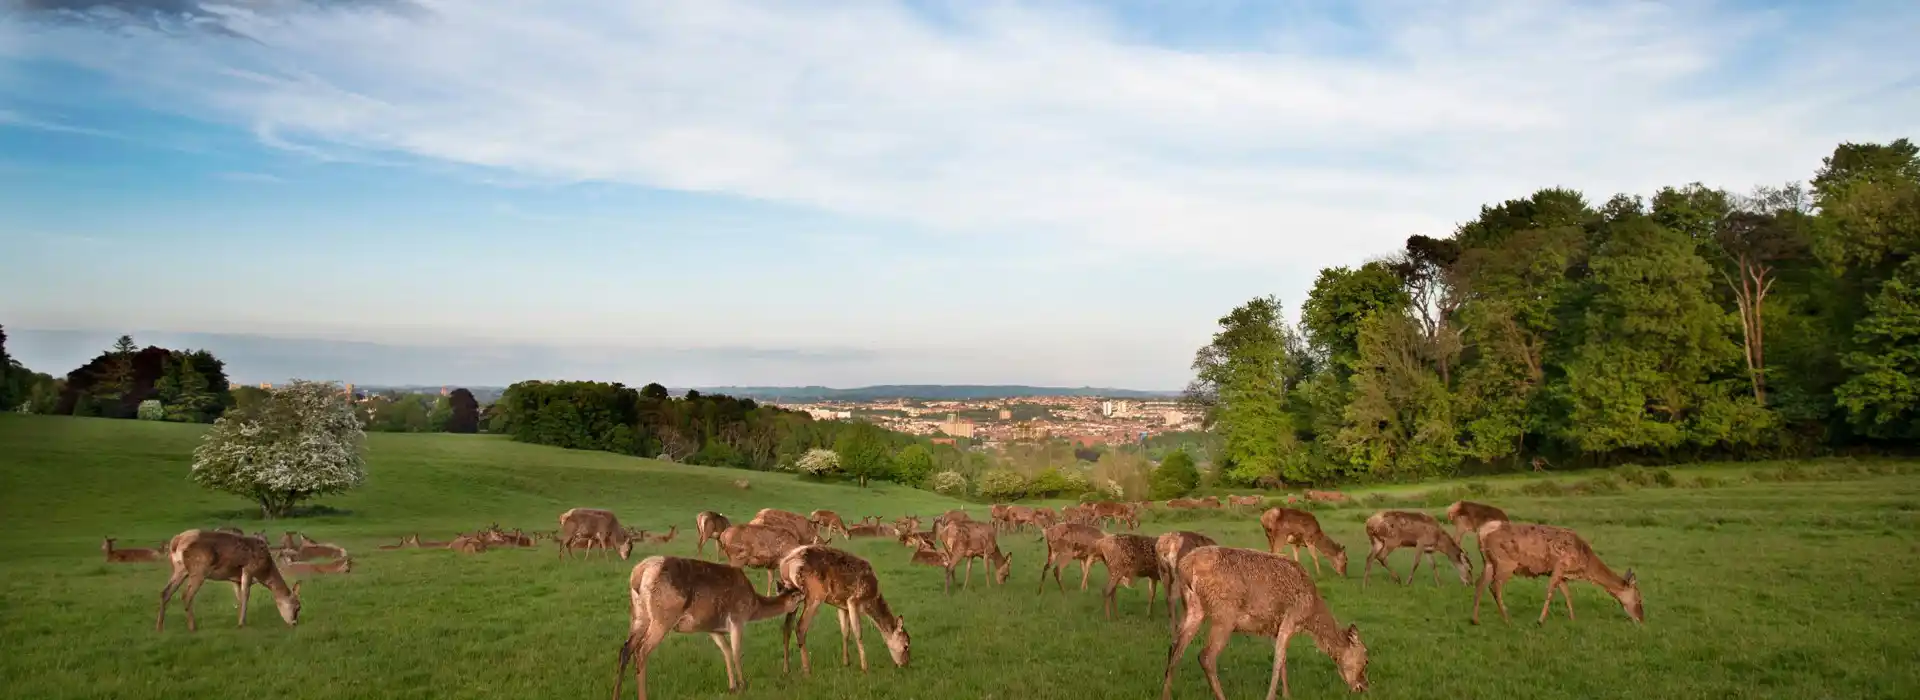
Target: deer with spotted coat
[(825, 575)]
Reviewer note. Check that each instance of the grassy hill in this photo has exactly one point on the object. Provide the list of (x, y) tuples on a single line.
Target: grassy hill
[(1753, 590)]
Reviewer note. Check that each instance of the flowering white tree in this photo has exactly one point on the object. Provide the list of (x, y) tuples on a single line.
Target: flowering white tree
[(818, 462), (302, 441), (950, 483)]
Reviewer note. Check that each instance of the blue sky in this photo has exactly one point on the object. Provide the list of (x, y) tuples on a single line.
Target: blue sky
[(726, 191)]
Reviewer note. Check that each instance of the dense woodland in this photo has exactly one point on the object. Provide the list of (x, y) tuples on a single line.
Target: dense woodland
[(1695, 324)]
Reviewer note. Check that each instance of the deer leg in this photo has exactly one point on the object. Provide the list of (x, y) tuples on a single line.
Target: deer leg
[(186, 602), (1486, 574), (1111, 598), (1417, 553), (1173, 589), (1217, 637), (1385, 566), (860, 645), (1153, 587), (1045, 564), (1552, 583), (166, 595), (840, 616), (1367, 573), (726, 657), (949, 586), (1278, 681), (1182, 636), (1313, 553), (968, 581), (1086, 570), (1566, 595), (1500, 594), (239, 595), (243, 587), (806, 623)]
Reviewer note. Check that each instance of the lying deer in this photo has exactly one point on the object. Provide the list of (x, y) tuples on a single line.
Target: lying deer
[(198, 555), (1068, 542), (870, 530), (834, 577), (1262, 594), (127, 556), (691, 596), (308, 550), (1468, 516), (468, 544), (1556, 552), (672, 530), (968, 540), (928, 556), (1298, 527), (408, 541), (337, 566), (709, 525), (1168, 550), (1128, 557), (1389, 530)]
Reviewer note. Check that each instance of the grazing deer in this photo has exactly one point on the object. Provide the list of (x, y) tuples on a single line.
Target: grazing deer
[(127, 556), (997, 514), (1262, 594), (337, 566), (1543, 550), (928, 556), (1115, 514), (1468, 516), (1068, 542), (802, 528), (1298, 527), (672, 594), (1389, 530), (198, 555), (834, 577), (672, 530), (1168, 550), (600, 527), (829, 521), (709, 525), (968, 540), (231, 530), (1127, 557), (758, 546), (408, 541), (1044, 517)]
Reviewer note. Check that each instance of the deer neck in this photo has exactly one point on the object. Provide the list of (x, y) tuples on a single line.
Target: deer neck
[(1324, 630), (765, 607), (278, 585), (1321, 542), (1605, 578), (881, 614)]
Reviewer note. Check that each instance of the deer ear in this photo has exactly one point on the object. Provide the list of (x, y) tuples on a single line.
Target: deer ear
[(1353, 633), (1631, 578), (296, 589)]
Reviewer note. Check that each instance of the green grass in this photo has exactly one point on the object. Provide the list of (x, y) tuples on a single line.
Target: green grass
[(1754, 589)]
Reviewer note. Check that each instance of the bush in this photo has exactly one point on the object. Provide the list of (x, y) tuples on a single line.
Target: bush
[(1075, 480), (151, 409), (1793, 472), (1704, 482), (818, 462), (1479, 488), (949, 483), (1635, 474), (1176, 477), (1604, 483), (1113, 490), (1048, 483), (1663, 478), (913, 465), (1002, 485), (1543, 488), (302, 441)]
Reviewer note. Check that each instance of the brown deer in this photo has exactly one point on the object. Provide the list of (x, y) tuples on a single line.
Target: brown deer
[(337, 566), (910, 523), (1246, 501), (231, 530), (1068, 542), (1468, 516), (672, 594), (1183, 503), (672, 531), (1128, 557), (1116, 513), (834, 577), (1044, 517), (757, 545), (600, 527), (1298, 527), (408, 541), (198, 555), (1168, 550), (928, 556), (742, 484), (1257, 593), (1389, 530), (127, 556), (829, 521), (870, 530), (968, 540), (1019, 517), (305, 549), (1543, 550), (1328, 496), (997, 514), (802, 528), (428, 544), (469, 544), (709, 524)]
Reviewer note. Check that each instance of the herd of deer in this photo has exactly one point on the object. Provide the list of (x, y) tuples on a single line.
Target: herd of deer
[(1236, 590)]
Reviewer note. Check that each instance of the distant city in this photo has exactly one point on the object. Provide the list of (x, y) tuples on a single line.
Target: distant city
[(1084, 420)]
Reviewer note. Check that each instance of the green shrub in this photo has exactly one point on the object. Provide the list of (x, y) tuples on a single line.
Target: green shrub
[(1604, 483), (1479, 488), (1001, 485), (1634, 474), (1543, 488), (1705, 482), (151, 409), (1793, 472), (1048, 483), (1663, 478), (1175, 477)]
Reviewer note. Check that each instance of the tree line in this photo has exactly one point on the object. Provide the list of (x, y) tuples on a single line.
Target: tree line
[(125, 381), (1693, 324)]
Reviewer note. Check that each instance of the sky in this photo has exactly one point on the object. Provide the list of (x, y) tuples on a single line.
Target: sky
[(846, 193)]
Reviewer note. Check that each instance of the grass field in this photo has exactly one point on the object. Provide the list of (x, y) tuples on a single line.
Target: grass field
[(1805, 589)]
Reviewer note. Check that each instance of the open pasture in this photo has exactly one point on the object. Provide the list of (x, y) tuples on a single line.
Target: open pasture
[(1805, 589)]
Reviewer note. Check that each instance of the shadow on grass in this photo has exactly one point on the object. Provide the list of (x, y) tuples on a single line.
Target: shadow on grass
[(253, 514)]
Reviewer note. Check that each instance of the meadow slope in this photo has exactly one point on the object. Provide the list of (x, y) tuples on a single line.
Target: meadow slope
[(1753, 590)]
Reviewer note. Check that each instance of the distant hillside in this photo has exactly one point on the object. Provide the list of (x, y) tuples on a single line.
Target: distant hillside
[(929, 392)]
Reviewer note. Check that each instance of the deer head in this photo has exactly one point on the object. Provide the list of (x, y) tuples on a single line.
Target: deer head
[(289, 606), (1002, 568), (106, 544), (899, 645), (626, 549), (1353, 661), (1340, 562), (1629, 597)]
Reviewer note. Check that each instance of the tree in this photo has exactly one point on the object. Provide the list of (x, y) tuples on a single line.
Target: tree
[(1341, 298), (864, 453), (912, 465), (1242, 383), (1514, 293), (184, 391), (8, 391), (115, 378), (1175, 477), (466, 412), (1883, 395), (303, 441), (1399, 421), (1768, 229), (950, 483), (1001, 485)]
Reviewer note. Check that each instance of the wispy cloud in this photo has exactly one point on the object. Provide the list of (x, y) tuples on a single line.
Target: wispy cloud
[(244, 176), (1034, 119), (10, 118)]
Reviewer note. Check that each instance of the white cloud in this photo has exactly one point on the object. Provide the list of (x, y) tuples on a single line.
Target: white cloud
[(1038, 121)]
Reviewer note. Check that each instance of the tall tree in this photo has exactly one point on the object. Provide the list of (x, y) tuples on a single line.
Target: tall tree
[(7, 399), (1769, 228), (1342, 298), (1883, 395), (1241, 383), (184, 392), (1399, 422), (302, 442), (1424, 268), (115, 378), (466, 412)]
